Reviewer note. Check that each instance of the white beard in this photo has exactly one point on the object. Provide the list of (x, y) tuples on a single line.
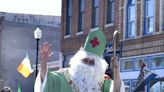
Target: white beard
[(87, 78)]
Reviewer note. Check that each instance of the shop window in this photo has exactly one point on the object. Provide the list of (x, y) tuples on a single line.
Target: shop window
[(127, 65), (127, 85), (139, 62), (134, 84), (157, 62)]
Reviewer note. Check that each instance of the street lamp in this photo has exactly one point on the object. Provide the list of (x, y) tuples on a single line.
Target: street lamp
[(37, 35)]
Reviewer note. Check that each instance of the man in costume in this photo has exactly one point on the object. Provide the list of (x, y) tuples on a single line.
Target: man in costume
[(6, 89), (86, 71)]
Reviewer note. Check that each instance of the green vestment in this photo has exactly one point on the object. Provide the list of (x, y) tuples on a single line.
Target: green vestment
[(58, 82)]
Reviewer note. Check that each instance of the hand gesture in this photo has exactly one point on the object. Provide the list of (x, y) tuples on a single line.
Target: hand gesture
[(114, 61), (45, 54)]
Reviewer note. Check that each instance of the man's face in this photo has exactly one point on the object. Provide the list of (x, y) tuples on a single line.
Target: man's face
[(88, 61), (87, 71), (83, 62)]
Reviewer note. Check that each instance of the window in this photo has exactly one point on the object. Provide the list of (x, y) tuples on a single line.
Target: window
[(149, 17), (110, 11), (131, 18), (157, 87), (95, 13), (157, 62), (127, 65), (81, 16), (139, 62), (67, 60), (127, 85), (69, 17), (134, 84)]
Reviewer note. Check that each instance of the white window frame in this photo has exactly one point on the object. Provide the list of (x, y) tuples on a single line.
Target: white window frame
[(129, 33), (146, 17)]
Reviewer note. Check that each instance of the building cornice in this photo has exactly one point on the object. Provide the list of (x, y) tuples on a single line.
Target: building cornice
[(46, 20)]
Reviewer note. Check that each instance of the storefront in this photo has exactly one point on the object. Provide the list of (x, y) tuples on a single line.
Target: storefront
[(130, 69)]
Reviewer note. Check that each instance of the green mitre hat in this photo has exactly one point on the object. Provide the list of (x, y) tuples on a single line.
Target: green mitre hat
[(95, 42)]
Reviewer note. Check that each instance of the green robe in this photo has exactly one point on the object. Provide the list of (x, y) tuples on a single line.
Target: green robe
[(56, 82), (59, 82)]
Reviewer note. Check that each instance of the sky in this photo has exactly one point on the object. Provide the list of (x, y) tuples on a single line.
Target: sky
[(40, 7)]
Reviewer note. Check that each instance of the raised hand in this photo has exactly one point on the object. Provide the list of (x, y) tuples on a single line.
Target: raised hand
[(45, 54), (115, 62)]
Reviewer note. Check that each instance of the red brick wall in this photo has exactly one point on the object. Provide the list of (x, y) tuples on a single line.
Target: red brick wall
[(157, 15), (88, 16), (138, 21), (144, 45), (63, 23), (73, 43)]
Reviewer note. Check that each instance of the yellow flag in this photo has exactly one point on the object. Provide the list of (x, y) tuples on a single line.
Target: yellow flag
[(25, 67)]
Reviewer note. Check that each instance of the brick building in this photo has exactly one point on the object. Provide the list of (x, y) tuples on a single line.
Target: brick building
[(140, 23), (142, 40), (77, 21)]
